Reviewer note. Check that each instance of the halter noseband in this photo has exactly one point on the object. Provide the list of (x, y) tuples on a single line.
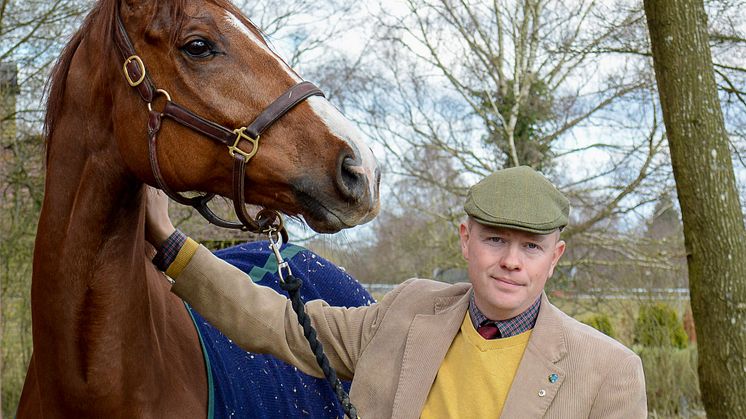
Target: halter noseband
[(138, 78)]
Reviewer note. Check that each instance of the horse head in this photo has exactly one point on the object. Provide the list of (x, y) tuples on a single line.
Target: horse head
[(210, 59)]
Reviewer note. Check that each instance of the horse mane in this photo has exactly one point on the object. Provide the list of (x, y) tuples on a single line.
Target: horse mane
[(99, 24)]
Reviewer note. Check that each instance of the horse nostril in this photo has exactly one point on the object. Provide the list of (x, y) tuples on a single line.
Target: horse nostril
[(351, 179)]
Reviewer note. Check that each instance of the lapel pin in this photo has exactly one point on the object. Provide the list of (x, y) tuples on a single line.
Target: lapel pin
[(553, 378)]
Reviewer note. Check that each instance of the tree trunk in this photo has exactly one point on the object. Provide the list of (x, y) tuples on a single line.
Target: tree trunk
[(713, 222)]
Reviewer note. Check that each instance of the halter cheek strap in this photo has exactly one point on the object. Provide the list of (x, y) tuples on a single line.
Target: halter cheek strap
[(137, 77)]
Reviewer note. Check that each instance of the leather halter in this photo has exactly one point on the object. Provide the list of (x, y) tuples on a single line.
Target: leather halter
[(138, 78)]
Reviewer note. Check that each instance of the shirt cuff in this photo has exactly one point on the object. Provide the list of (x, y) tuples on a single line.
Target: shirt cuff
[(175, 253), (169, 249)]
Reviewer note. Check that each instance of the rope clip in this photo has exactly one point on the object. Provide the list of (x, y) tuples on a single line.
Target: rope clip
[(275, 242)]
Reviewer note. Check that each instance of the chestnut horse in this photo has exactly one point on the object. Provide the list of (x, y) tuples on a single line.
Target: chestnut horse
[(109, 339)]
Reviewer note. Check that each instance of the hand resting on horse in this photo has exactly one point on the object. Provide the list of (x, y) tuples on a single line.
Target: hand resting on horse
[(158, 226)]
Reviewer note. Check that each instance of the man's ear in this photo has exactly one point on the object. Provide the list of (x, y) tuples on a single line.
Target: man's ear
[(559, 250), (463, 233)]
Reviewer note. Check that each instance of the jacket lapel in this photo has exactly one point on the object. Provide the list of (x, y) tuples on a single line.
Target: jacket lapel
[(532, 390), (428, 340)]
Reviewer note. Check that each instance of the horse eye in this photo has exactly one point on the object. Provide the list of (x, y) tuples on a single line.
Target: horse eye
[(198, 48)]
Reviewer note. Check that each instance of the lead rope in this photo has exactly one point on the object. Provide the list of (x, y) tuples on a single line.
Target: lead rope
[(291, 284)]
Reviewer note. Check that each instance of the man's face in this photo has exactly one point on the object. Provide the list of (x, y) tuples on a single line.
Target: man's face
[(508, 268)]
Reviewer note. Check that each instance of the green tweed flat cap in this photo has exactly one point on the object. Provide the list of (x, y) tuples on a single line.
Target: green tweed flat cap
[(519, 198)]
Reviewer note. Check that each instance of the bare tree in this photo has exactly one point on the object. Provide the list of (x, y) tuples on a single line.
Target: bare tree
[(714, 228), (476, 86), (566, 87), (727, 40), (304, 27)]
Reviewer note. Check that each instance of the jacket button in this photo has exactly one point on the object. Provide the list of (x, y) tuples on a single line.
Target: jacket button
[(542, 393)]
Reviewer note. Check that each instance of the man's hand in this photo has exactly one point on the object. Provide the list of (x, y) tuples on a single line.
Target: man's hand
[(158, 226)]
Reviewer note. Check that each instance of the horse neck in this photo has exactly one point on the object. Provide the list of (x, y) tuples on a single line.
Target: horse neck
[(91, 226), (89, 258), (95, 295)]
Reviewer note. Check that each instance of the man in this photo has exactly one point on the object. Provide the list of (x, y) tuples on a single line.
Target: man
[(492, 348)]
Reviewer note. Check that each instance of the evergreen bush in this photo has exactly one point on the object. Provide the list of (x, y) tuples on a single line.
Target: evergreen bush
[(658, 326), (602, 323), (671, 382)]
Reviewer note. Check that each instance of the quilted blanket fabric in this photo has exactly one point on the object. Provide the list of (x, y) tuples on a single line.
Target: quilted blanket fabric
[(249, 385)]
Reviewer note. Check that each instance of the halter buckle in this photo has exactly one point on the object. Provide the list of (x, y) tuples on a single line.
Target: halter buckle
[(140, 64), (241, 135)]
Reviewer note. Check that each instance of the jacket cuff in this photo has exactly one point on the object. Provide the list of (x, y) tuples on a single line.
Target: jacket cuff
[(182, 258)]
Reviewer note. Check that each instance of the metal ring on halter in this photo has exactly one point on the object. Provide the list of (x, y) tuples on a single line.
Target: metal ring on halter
[(270, 220), (164, 93)]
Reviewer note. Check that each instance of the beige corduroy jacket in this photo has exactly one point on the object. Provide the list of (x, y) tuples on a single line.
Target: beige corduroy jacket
[(392, 350)]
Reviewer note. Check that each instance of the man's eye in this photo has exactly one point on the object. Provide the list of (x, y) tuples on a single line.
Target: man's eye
[(533, 246), (198, 48)]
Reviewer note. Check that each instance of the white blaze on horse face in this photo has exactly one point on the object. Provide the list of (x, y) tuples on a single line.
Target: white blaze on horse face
[(332, 118), (236, 23), (350, 134)]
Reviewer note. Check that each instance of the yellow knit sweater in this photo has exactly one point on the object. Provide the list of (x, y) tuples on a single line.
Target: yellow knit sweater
[(474, 379)]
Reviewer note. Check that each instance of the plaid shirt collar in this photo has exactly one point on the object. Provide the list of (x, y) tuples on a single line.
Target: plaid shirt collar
[(510, 327)]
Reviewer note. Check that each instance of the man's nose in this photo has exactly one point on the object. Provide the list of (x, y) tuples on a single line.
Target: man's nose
[(511, 260)]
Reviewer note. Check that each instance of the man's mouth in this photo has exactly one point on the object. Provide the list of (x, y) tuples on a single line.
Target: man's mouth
[(507, 282)]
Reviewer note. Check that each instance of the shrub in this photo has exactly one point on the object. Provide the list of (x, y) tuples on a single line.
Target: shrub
[(658, 326), (602, 323), (671, 381)]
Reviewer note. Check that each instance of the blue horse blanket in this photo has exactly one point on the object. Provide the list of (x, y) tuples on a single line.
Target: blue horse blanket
[(249, 385)]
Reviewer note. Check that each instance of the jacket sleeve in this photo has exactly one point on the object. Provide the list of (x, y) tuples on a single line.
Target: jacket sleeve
[(260, 320), (622, 394)]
